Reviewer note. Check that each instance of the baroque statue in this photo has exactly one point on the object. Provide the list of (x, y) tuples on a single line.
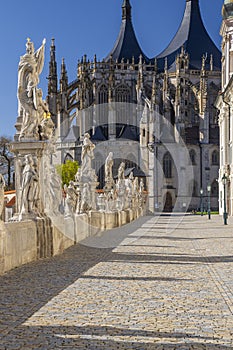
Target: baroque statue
[(87, 173), (30, 188), (31, 107), (108, 168)]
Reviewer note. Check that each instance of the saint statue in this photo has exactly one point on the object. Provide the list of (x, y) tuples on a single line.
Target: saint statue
[(30, 188), (87, 156), (108, 168)]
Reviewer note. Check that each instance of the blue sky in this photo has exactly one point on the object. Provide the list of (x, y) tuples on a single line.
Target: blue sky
[(83, 27)]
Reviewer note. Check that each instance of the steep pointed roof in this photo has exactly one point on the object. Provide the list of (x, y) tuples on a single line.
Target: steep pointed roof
[(126, 45), (193, 36)]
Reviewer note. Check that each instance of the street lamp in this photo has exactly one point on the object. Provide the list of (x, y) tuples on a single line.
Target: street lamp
[(224, 181), (201, 193), (208, 190), (153, 148)]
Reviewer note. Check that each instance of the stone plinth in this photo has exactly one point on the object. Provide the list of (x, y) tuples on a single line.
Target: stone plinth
[(82, 227), (97, 222)]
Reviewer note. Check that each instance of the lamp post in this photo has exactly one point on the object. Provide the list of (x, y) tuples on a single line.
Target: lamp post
[(224, 181), (209, 211), (153, 148), (201, 193)]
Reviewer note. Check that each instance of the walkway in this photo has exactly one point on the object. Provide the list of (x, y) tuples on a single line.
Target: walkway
[(161, 283)]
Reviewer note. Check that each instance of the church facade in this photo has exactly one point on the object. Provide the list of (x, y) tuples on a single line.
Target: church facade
[(155, 114)]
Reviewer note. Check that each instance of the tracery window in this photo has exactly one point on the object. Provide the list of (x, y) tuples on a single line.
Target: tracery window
[(192, 155), (122, 94), (215, 158), (167, 165)]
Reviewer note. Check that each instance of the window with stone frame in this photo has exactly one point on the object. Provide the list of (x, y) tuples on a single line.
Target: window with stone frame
[(214, 188), (192, 155), (167, 165), (123, 94), (123, 108), (103, 105), (215, 157)]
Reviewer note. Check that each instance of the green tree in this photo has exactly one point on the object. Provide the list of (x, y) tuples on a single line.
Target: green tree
[(67, 171)]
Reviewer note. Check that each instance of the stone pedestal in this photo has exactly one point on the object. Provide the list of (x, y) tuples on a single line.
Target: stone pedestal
[(82, 227)]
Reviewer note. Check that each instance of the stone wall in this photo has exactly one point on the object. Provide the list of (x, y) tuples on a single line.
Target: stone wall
[(27, 241), (18, 244)]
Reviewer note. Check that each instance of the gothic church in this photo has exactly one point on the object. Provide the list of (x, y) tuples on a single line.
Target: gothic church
[(155, 114)]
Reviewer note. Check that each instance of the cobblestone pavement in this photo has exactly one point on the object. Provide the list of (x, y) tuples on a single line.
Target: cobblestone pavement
[(159, 283)]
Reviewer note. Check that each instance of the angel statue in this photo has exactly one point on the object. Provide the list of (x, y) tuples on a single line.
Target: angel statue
[(29, 70)]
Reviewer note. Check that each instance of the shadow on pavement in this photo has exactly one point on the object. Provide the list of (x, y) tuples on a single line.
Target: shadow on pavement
[(108, 338)]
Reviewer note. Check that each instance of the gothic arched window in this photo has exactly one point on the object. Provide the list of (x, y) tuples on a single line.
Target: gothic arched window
[(102, 110), (214, 188), (167, 165), (215, 158), (192, 155), (193, 188), (103, 94), (122, 94)]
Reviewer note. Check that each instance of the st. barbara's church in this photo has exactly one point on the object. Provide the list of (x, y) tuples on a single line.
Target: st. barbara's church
[(155, 114)]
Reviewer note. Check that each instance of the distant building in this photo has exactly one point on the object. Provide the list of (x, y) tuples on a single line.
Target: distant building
[(156, 114), (225, 106)]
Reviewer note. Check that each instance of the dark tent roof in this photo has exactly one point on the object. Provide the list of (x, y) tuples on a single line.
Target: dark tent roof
[(126, 45), (193, 37), (98, 135), (72, 135), (136, 172), (129, 132)]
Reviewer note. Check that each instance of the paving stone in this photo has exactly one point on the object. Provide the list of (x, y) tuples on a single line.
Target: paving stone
[(166, 285)]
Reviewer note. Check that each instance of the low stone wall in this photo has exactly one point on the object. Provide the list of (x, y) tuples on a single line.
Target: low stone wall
[(27, 241)]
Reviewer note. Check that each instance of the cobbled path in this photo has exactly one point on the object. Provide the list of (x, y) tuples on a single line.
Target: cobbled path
[(160, 283)]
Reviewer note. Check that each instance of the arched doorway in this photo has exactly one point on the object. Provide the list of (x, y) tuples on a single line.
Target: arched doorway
[(168, 203)]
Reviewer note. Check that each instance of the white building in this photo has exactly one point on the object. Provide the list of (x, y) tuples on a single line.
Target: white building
[(225, 105)]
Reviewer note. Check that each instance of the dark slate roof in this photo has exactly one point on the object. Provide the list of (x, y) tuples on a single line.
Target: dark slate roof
[(129, 132), (72, 135), (192, 135), (193, 36), (136, 172), (214, 135), (126, 45), (98, 135)]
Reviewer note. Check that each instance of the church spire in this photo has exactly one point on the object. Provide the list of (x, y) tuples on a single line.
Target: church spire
[(64, 77), (52, 86), (126, 10), (126, 45)]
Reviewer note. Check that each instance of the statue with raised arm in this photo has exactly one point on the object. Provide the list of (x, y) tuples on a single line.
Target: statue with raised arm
[(29, 70)]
